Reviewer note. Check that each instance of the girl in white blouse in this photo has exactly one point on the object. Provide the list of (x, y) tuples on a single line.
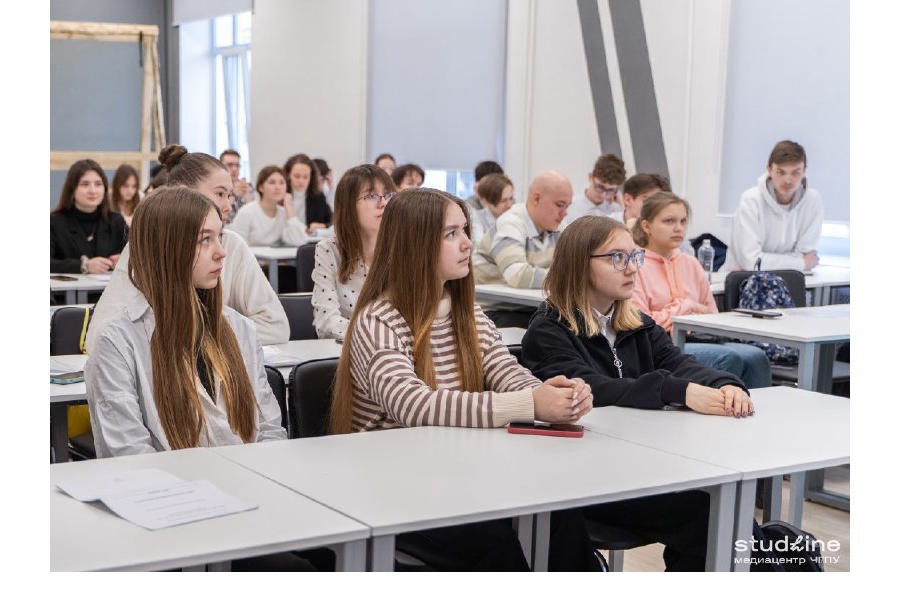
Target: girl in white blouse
[(270, 221), (343, 261)]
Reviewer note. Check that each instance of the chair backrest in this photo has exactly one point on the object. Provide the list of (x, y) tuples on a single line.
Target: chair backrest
[(276, 382), (310, 388), (299, 311), (306, 262), (516, 350), (66, 327), (793, 279)]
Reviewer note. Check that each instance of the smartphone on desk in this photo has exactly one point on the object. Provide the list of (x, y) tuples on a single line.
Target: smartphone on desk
[(63, 278), (554, 429), (759, 314), (64, 378)]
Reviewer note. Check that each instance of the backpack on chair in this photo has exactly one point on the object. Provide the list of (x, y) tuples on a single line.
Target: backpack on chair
[(762, 291)]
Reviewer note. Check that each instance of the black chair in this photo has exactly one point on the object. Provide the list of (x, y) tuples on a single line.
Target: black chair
[(276, 382), (516, 350), (615, 541), (306, 262), (68, 325), (310, 386), (299, 311)]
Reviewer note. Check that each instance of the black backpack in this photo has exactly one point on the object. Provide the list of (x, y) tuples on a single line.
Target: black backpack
[(779, 546)]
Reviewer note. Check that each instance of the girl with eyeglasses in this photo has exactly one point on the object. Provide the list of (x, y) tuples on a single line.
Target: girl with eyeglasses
[(420, 352), (589, 328), (343, 261), (673, 283)]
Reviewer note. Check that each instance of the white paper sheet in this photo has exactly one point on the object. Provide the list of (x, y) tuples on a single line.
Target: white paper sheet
[(171, 505), (127, 482), (273, 357), (66, 364)]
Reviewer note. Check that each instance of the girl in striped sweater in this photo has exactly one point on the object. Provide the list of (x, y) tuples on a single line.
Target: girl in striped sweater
[(419, 351)]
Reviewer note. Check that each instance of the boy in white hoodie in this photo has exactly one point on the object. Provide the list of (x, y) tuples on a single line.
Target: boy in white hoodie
[(780, 220)]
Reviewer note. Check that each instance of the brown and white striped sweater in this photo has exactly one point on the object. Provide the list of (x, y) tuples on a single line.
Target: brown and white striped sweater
[(387, 393)]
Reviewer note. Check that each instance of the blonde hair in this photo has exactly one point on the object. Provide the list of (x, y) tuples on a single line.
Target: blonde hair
[(652, 206), (405, 273), (568, 282)]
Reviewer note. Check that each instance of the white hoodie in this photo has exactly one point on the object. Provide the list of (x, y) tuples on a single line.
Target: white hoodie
[(779, 234)]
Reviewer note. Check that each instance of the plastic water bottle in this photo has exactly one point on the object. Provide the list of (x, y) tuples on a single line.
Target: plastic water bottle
[(706, 254)]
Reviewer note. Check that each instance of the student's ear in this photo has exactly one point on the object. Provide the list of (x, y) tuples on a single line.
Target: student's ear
[(645, 226)]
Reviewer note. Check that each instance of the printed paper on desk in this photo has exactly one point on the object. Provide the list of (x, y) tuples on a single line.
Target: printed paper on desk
[(100, 277), (66, 364), (167, 506), (126, 482)]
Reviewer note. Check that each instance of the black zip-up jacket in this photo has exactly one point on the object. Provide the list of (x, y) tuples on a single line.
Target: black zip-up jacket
[(653, 372), (67, 243)]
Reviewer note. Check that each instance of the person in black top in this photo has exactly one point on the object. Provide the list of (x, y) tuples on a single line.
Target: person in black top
[(588, 328), (303, 186), (86, 236)]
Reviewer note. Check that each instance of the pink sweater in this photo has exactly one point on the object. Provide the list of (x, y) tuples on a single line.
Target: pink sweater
[(668, 287)]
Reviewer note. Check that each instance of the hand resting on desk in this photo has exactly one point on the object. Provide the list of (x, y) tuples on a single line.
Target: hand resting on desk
[(729, 400)]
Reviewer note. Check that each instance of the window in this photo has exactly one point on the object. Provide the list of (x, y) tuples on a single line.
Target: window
[(458, 183), (231, 50)]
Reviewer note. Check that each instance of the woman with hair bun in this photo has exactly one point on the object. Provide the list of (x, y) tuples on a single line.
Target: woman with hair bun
[(244, 286)]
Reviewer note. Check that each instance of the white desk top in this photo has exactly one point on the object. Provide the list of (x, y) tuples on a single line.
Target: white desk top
[(496, 292), (423, 477), (793, 430), (295, 352), (88, 537), (69, 392), (89, 283), (274, 252), (809, 324)]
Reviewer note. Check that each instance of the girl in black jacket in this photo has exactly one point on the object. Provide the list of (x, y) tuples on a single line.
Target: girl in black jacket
[(588, 329)]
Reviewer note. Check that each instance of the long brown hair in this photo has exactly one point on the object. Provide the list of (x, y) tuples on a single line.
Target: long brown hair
[(405, 273), (189, 322), (302, 159), (123, 173), (346, 221), (76, 172), (652, 206), (568, 281)]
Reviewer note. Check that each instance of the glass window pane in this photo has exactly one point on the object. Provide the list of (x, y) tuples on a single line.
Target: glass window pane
[(224, 31), (243, 28), (221, 121)]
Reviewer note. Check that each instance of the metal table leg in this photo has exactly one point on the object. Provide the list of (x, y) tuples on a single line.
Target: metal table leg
[(720, 536), (381, 553), (351, 556), (59, 432), (743, 525)]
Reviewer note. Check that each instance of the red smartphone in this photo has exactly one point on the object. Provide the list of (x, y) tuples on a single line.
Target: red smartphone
[(555, 429)]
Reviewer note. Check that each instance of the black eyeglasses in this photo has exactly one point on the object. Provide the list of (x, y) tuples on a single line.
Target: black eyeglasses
[(621, 259), (373, 197)]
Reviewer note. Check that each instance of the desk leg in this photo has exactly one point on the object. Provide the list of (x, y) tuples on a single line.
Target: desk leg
[(71, 297), (81, 297), (351, 556), (525, 529), (719, 542), (273, 274), (381, 553), (743, 524), (59, 432), (219, 566), (806, 367), (795, 508), (541, 542), (772, 496), (679, 336)]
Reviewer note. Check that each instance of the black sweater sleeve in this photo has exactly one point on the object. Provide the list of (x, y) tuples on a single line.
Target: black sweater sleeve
[(549, 349), (667, 356)]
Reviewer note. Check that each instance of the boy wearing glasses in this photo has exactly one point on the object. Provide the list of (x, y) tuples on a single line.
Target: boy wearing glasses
[(243, 191), (601, 196)]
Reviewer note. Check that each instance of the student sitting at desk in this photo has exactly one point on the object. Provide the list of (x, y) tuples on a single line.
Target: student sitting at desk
[(303, 182), (419, 351), (270, 221), (177, 369), (780, 220), (673, 283), (589, 329), (86, 236), (342, 262), (244, 286)]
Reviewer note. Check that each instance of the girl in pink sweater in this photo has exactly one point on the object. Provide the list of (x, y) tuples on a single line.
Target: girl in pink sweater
[(673, 283)]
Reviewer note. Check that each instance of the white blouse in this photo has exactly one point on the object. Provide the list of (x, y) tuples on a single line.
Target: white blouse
[(332, 300), (259, 229)]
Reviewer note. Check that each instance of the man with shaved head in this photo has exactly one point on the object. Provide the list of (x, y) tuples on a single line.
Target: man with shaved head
[(518, 250)]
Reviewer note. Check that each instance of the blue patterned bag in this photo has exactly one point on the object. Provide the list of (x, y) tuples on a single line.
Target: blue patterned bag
[(761, 291)]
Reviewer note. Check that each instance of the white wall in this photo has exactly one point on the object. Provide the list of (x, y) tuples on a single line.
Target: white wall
[(308, 81), (550, 115), (196, 89)]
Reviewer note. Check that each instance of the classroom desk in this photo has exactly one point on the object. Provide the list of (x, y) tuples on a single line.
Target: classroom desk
[(89, 537), (498, 292), (295, 352), (814, 330), (77, 291), (417, 478), (61, 396), (271, 255), (769, 444)]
